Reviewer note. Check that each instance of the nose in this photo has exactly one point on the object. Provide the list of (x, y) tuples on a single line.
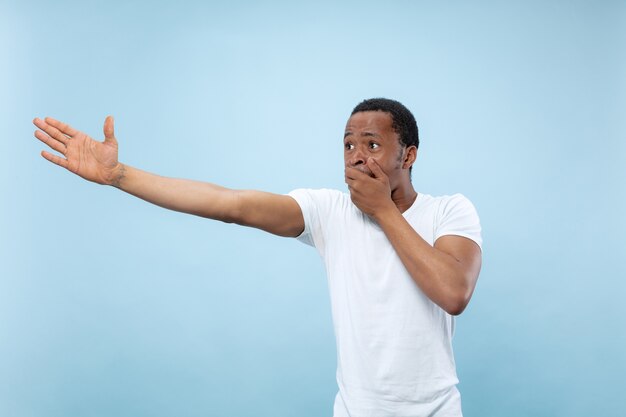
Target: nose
[(357, 158)]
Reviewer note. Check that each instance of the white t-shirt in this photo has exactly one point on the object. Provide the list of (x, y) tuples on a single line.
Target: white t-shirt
[(394, 345)]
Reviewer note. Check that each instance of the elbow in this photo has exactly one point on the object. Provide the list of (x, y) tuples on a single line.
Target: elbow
[(455, 309), (459, 294), (233, 209), (456, 303)]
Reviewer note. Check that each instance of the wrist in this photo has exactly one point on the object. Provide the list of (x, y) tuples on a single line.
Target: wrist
[(385, 213), (117, 176)]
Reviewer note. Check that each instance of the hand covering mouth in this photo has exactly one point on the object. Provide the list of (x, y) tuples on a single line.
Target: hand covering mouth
[(364, 169)]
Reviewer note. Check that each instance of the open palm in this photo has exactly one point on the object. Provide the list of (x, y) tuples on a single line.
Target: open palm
[(94, 161)]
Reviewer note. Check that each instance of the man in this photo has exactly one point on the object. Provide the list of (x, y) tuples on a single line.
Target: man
[(400, 264)]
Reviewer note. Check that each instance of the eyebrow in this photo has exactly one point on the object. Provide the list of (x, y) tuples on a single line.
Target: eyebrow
[(369, 134)]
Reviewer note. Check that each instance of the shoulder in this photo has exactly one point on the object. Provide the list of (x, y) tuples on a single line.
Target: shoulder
[(320, 210), (443, 203), (319, 198), (455, 214), (455, 202), (318, 193)]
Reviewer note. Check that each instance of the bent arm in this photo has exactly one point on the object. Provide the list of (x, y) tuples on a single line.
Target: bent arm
[(446, 272), (273, 213)]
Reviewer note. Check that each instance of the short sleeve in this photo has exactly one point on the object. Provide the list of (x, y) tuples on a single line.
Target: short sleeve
[(457, 216), (315, 206)]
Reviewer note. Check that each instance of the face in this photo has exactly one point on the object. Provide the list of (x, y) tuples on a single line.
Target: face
[(370, 134)]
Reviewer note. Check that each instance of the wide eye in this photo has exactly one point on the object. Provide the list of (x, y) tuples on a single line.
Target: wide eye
[(348, 146), (374, 145)]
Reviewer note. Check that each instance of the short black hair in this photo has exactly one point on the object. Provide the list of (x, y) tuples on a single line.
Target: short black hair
[(403, 121)]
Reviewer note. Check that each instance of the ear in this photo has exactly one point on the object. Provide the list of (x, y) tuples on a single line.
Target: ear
[(409, 157)]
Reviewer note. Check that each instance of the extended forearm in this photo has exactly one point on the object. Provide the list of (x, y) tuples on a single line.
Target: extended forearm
[(274, 213), (187, 196)]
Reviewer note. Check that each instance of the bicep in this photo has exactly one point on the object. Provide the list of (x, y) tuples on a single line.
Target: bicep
[(466, 252), (274, 213)]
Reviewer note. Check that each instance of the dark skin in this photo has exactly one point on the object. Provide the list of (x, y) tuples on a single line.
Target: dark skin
[(371, 145), (378, 177), (376, 171)]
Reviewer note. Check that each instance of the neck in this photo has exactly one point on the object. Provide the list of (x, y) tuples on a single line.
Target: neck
[(404, 195)]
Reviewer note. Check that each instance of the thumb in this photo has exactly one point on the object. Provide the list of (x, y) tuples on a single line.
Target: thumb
[(375, 168), (109, 133)]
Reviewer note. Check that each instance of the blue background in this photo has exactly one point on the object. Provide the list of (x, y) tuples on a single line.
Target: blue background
[(111, 306)]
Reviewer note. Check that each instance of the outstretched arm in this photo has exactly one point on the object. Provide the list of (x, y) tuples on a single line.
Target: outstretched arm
[(98, 162)]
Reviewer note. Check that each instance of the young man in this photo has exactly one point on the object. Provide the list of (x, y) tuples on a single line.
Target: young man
[(400, 264)]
